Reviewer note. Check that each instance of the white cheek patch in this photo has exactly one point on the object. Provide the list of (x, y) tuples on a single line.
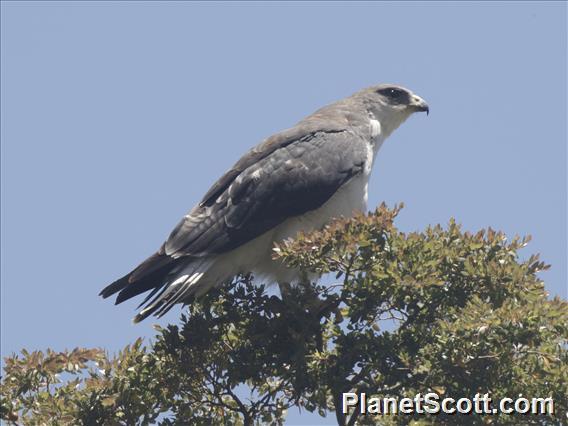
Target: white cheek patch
[(375, 128)]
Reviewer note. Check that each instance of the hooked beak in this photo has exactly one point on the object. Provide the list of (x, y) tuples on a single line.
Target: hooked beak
[(419, 104)]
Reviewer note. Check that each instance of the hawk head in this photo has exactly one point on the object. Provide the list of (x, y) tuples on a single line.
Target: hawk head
[(391, 105)]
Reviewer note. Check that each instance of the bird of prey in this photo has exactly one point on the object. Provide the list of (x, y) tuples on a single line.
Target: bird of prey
[(295, 180)]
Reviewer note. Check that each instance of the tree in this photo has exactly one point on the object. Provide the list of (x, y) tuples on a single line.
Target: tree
[(441, 311)]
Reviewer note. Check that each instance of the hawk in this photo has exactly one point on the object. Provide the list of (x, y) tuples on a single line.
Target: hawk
[(296, 180)]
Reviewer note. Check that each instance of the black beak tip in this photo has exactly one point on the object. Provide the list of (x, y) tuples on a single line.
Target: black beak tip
[(423, 108)]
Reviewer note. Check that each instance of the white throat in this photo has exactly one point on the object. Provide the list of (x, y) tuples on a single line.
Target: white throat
[(377, 139), (375, 128), (378, 134)]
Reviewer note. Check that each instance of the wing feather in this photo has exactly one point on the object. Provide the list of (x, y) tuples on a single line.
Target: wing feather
[(292, 179)]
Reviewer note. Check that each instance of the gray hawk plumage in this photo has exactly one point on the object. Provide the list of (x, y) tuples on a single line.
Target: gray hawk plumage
[(296, 180)]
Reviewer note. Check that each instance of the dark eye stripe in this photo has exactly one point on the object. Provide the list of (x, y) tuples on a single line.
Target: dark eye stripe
[(397, 96), (391, 92)]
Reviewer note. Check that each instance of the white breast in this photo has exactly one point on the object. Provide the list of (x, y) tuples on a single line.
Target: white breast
[(350, 198), (375, 128), (377, 139)]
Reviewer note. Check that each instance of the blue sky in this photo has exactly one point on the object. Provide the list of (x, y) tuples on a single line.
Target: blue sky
[(117, 117)]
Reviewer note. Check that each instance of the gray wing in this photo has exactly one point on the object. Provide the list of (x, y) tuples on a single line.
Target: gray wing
[(284, 177), (289, 174)]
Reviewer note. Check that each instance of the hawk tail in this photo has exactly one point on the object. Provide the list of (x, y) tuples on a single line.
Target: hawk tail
[(169, 281), (182, 286)]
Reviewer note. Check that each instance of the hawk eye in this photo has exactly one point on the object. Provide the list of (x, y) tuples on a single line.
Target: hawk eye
[(391, 92)]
